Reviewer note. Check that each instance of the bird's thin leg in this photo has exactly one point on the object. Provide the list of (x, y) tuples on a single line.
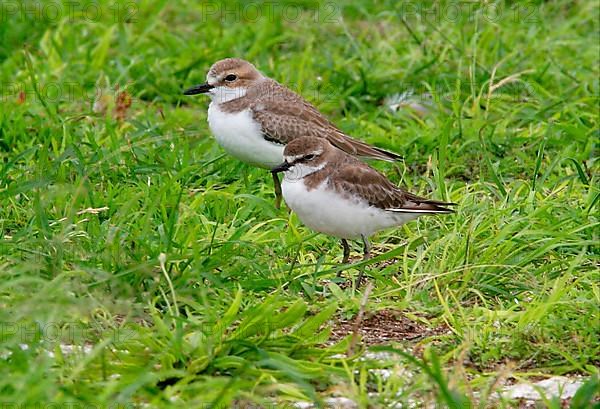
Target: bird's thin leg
[(366, 256), (278, 195), (346, 251), (367, 247), (346, 254)]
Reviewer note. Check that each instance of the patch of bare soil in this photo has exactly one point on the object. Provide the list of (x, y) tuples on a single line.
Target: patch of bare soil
[(528, 404), (385, 326)]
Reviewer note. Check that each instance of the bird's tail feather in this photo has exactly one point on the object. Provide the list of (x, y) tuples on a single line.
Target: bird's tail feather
[(425, 206), (440, 210), (364, 150)]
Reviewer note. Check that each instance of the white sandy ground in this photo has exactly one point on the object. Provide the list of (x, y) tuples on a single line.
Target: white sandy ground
[(562, 386), (332, 403), (556, 386), (531, 393)]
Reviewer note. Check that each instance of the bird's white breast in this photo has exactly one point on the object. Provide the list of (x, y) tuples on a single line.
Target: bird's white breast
[(241, 136), (326, 211)]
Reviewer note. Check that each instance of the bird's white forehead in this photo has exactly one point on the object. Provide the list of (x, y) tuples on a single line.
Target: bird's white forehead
[(293, 158)]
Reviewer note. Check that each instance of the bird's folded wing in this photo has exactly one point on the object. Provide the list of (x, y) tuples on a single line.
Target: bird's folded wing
[(283, 127), (365, 183), (281, 124)]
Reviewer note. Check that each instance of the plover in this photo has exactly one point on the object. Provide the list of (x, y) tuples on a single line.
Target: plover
[(253, 117), (337, 194)]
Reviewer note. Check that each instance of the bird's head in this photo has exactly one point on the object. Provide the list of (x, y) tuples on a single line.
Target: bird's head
[(227, 80), (304, 156)]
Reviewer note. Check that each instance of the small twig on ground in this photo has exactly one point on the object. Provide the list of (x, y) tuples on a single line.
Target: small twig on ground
[(359, 318)]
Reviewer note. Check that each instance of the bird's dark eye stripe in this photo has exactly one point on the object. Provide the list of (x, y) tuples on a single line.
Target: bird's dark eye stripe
[(310, 156), (231, 77)]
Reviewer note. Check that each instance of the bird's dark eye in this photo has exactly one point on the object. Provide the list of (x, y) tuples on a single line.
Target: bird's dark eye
[(231, 77), (309, 157)]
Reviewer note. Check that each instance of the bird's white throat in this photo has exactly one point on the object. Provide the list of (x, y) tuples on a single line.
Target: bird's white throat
[(300, 170), (222, 94), (241, 136)]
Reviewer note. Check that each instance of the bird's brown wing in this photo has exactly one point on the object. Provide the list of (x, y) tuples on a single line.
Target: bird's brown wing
[(361, 181), (284, 116)]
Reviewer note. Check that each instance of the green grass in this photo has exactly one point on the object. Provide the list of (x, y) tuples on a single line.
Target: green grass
[(187, 288)]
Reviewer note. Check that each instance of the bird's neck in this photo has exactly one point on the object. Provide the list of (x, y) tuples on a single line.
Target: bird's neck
[(222, 95), (316, 178)]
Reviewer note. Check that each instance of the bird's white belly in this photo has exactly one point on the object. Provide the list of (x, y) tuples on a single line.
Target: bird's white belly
[(240, 135), (328, 212)]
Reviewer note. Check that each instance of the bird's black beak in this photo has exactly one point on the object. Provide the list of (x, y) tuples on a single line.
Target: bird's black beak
[(198, 89), (281, 168)]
